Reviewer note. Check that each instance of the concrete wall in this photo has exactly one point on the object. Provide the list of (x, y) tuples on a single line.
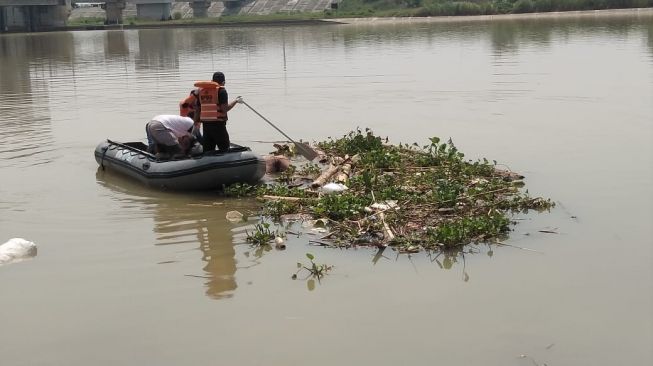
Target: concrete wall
[(34, 17), (113, 11), (217, 8), (21, 18), (29, 2), (160, 11), (52, 16), (14, 18)]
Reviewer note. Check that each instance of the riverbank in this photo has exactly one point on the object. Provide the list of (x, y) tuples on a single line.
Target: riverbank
[(643, 12), (310, 19), (216, 24)]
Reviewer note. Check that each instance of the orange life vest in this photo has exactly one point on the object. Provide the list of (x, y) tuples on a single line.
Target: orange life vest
[(187, 104), (210, 110)]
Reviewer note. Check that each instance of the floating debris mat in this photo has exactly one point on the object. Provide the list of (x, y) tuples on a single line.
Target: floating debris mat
[(408, 197)]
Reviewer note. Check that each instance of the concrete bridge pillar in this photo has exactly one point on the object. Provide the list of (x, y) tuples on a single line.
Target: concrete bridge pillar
[(153, 9), (57, 16), (231, 4), (3, 20), (113, 9), (33, 15), (200, 8)]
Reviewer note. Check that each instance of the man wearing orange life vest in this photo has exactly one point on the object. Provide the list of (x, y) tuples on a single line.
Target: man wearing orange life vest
[(211, 109)]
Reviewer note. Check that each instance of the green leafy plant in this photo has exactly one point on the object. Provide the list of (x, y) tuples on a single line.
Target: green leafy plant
[(462, 231), (239, 190), (340, 206), (276, 208), (353, 143), (446, 192), (310, 170), (287, 175), (315, 270), (261, 235)]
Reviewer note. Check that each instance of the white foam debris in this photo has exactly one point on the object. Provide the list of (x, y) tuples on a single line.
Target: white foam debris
[(235, 216), (16, 250)]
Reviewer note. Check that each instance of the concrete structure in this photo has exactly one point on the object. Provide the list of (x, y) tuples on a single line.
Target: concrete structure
[(200, 8), (33, 15), (153, 9), (113, 9)]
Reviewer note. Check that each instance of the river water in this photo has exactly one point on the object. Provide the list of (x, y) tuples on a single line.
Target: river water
[(126, 275)]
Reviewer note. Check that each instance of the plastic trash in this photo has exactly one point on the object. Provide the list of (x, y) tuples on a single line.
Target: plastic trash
[(196, 149), (234, 216), (279, 243), (334, 188), (319, 223), (386, 205), (16, 250)]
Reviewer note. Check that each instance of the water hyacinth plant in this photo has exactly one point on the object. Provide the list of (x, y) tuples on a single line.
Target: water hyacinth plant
[(261, 235), (314, 270)]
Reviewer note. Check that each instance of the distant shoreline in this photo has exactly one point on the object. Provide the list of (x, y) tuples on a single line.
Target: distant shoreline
[(483, 18), (645, 12), (254, 23)]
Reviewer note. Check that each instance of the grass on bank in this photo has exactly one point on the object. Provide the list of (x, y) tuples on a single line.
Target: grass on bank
[(418, 8), (395, 8)]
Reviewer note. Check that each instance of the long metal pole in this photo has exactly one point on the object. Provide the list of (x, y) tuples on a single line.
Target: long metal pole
[(306, 151)]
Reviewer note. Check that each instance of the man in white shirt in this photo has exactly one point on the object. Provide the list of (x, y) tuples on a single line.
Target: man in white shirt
[(171, 136)]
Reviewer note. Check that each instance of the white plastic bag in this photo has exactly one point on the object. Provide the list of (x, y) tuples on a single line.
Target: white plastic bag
[(16, 249), (334, 188)]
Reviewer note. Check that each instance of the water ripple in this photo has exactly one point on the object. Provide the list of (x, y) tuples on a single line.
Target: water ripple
[(26, 144)]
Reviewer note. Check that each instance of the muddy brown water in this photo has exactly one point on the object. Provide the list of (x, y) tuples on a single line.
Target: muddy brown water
[(126, 275)]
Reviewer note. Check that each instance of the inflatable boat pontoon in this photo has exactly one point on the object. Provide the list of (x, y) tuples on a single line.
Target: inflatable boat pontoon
[(207, 171)]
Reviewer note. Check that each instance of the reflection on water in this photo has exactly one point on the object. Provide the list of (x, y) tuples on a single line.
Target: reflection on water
[(158, 49), (115, 45), (27, 64), (504, 36), (180, 222), (182, 219), (650, 41)]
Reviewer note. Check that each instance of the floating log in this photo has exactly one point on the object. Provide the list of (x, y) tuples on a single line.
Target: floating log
[(343, 177), (281, 198), (325, 176), (389, 235)]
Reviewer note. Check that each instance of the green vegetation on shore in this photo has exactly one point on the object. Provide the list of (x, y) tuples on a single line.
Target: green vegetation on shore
[(85, 21), (364, 8)]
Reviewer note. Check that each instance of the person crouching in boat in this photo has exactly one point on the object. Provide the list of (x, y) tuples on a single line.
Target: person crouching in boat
[(211, 110), (171, 136)]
